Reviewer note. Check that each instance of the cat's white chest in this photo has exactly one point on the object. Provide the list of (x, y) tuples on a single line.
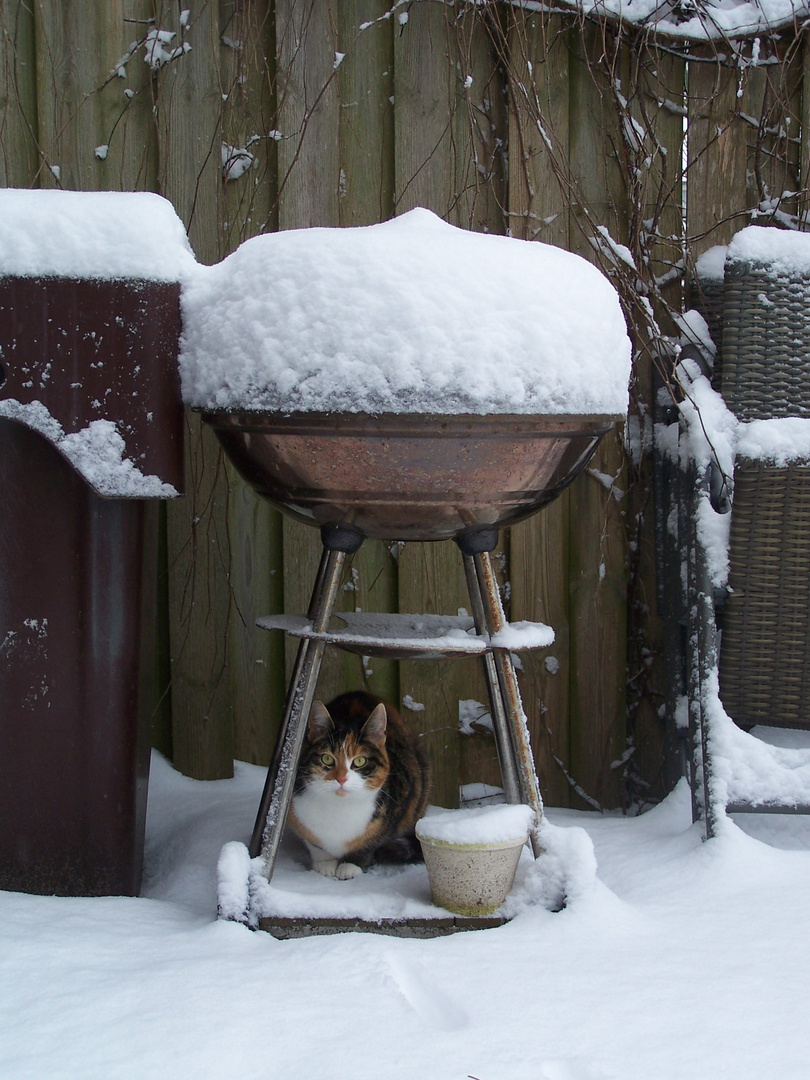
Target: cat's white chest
[(335, 820)]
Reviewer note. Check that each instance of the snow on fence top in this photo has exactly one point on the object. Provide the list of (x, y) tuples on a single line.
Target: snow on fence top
[(694, 20), (92, 234), (410, 316)]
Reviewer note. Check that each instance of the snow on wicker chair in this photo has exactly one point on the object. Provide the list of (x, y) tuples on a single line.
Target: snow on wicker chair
[(754, 672)]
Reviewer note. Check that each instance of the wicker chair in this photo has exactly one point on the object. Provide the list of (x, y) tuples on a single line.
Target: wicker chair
[(762, 652)]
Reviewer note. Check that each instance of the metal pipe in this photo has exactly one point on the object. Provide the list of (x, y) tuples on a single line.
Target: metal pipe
[(278, 788), (503, 738), (495, 621), (702, 659)]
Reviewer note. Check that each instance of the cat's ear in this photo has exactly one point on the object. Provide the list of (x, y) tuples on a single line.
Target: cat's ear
[(320, 722), (374, 728)]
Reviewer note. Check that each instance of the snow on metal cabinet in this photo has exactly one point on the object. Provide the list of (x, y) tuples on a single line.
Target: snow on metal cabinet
[(90, 427)]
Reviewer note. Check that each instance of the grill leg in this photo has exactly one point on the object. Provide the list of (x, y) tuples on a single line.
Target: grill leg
[(278, 788), (511, 731), (503, 736)]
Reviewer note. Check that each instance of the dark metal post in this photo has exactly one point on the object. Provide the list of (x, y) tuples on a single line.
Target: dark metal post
[(702, 646)]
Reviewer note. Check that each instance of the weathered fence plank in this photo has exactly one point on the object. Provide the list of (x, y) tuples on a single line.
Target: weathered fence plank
[(538, 570), (248, 148), (255, 657), (479, 130), (538, 73), (597, 542), (75, 110), (366, 89), (199, 549), (720, 187), (18, 95)]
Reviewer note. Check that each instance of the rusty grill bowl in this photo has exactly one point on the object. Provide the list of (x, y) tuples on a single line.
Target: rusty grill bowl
[(408, 476)]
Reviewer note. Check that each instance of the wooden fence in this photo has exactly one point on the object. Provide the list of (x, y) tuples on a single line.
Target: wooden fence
[(496, 118)]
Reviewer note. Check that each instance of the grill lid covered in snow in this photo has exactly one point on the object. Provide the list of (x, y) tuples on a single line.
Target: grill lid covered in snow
[(410, 316)]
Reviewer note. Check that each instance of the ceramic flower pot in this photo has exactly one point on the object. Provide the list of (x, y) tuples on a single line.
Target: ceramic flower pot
[(472, 855)]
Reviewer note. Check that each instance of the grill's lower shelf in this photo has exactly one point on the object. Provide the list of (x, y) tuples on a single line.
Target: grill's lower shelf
[(411, 637)]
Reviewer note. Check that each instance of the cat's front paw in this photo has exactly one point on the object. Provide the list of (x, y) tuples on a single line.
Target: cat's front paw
[(327, 867), (336, 869)]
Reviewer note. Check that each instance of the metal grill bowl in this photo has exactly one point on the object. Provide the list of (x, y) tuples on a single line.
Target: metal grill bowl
[(408, 476)]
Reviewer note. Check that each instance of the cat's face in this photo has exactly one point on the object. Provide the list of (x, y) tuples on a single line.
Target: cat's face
[(344, 760)]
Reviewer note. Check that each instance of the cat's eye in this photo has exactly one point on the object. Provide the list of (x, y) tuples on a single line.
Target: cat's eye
[(327, 760), (359, 762)]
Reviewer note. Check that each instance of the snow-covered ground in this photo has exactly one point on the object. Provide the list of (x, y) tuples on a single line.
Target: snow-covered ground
[(679, 959)]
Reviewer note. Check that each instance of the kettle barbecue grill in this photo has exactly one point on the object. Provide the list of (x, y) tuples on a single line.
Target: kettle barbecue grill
[(404, 381)]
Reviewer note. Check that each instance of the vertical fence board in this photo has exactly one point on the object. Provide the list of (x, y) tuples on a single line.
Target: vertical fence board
[(661, 90), (199, 555), (480, 130), (366, 88), (539, 578), (255, 657), (249, 191), (598, 641), (777, 157), (598, 617), (308, 110), (539, 76), (81, 103), (424, 91), (199, 612), (18, 96), (720, 183), (432, 581), (133, 141), (539, 547)]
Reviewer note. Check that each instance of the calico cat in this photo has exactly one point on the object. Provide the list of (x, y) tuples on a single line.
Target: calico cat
[(361, 786)]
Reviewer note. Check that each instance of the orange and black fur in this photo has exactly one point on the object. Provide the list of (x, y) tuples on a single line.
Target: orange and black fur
[(361, 786)]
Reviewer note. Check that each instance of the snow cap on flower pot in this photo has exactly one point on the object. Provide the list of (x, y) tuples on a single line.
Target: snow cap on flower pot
[(472, 855)]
